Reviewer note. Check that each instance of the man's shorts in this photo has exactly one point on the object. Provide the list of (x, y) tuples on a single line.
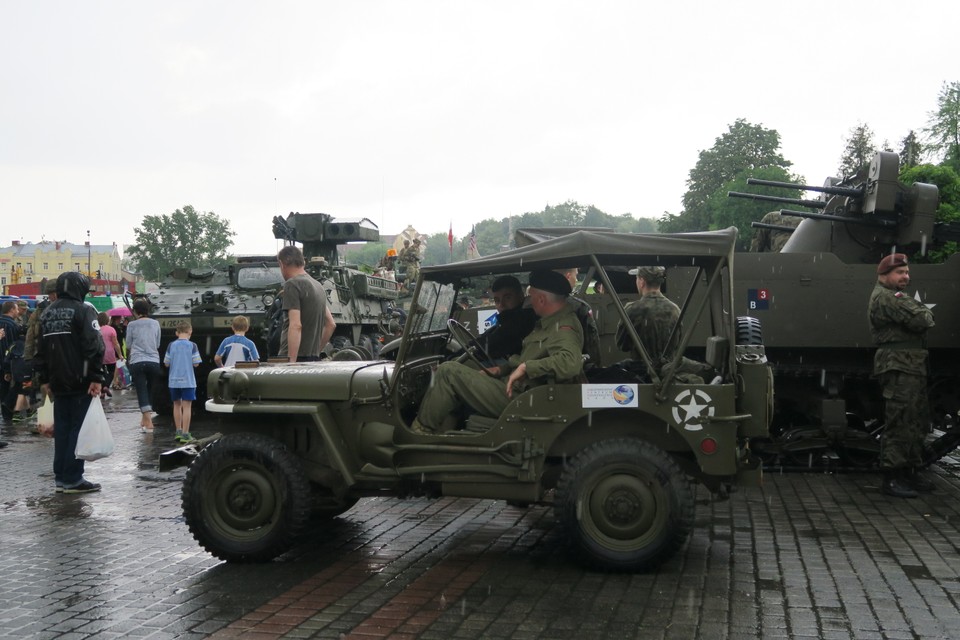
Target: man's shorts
[(185, 393)]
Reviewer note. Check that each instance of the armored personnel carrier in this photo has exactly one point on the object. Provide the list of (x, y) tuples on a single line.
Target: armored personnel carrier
[(210, 298), (811, 299)]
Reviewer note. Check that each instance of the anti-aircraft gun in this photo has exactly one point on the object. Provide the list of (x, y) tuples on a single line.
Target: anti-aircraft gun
[(358, 301), (811, 299)]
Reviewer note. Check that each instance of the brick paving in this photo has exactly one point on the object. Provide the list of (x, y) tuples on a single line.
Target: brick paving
[(807, 556)]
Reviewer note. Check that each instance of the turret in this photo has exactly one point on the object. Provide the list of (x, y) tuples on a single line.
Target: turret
[(863, 217), (320, 234)]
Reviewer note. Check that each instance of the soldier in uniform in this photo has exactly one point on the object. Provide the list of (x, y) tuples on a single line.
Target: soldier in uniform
[(654, 316), (410, 257), (550, 354), (772, 240), (898, 324), (514, 321)]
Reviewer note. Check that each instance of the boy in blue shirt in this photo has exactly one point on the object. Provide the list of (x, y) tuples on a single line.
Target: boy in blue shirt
[(237, 348), (182, 358)]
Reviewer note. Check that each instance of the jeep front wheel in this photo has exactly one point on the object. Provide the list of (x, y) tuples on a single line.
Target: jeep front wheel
[(626, 505), (246, 498)]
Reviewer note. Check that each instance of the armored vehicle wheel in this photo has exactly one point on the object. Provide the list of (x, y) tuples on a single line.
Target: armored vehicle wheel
[(246, 498), (340, 342), (626, 505), (749, 331)]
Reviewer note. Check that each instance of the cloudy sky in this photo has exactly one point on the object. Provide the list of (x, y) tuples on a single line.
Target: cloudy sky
[(428, 113)]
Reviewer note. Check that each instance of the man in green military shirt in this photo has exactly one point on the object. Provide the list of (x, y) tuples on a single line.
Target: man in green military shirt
[(898, 324), (551, 353)]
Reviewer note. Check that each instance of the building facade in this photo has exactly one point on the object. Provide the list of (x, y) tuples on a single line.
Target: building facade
[(23, 263)]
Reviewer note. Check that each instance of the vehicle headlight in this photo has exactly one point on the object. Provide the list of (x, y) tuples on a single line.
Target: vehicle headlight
[(267, 300)]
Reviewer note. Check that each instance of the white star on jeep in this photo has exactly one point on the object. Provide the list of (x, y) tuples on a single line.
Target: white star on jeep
[(692, 409), (916, 297)]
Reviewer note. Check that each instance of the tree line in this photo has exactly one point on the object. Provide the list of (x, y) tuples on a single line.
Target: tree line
[(188, 238)]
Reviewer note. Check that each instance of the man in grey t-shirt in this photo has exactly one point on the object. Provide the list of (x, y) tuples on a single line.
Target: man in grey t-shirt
[(308, 323)]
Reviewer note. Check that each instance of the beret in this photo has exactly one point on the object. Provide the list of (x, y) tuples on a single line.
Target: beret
[(891, 262), (550, 281)]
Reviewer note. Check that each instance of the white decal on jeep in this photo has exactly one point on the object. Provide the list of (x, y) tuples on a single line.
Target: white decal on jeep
[(692, 403)]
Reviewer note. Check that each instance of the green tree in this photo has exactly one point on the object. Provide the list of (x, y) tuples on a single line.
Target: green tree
[(859, 150), (911, 151), (744, 148), (184, 239), (943, 128)]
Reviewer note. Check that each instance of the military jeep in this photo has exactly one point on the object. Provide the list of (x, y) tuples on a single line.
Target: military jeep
[(615, 454)]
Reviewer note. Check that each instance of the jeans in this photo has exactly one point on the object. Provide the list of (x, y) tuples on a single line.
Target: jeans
[(145, 375), (69, 410)]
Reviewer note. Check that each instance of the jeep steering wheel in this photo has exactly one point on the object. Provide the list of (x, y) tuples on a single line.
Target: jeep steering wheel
[(471, 346)]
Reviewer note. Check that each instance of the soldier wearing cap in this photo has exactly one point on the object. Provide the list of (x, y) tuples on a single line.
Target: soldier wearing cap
[(550, 354), (654, 316), (898, 324)]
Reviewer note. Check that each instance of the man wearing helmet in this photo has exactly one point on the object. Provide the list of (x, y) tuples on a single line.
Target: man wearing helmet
[(69, 365)]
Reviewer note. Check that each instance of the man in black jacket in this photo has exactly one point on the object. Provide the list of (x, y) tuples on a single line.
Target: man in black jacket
[(69, 363)]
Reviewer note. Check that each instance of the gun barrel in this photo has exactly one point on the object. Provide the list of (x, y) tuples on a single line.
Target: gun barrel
[(866, 222), (773, 227), (813, 204), (850, 192)]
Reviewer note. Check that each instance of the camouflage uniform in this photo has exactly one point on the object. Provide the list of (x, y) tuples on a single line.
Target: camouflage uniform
[(770, 239), (654, 317), (551, 353), (410, 257), (898, 324)]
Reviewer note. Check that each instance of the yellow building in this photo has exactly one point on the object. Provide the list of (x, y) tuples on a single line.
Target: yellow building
[(29, 262)]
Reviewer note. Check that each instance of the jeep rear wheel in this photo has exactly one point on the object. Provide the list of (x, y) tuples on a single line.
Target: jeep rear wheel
[(246, 498), (626, 505)]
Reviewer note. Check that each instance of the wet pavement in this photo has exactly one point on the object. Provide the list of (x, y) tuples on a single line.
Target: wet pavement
[(808, 556)]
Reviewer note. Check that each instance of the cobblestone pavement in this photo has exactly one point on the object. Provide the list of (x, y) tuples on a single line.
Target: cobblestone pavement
[(807, 556)]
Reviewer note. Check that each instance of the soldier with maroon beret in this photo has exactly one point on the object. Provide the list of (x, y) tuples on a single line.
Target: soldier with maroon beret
[(898, 324)]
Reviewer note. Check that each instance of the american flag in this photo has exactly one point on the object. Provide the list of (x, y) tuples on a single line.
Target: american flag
[(473, 242)]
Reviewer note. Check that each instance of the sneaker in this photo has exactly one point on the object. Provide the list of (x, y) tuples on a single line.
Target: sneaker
[(185, 438), (59, 488), (84, 487)]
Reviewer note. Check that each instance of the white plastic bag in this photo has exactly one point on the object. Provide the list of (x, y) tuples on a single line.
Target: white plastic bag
[(95, 440), (45, 417)]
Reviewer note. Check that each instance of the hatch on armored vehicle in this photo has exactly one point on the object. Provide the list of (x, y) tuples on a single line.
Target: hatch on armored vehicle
[(616, 456)]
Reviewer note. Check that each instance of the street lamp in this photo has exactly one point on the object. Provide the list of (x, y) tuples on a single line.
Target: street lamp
[(88, 253)]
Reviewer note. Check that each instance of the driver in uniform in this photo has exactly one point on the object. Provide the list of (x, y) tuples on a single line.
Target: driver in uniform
[(551, 354)]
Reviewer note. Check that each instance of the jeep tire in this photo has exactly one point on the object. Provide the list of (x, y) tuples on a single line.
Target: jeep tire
[(625, 504), (246, 498)]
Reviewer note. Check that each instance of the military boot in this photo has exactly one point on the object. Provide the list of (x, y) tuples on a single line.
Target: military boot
[(895, 485), (918, 482)]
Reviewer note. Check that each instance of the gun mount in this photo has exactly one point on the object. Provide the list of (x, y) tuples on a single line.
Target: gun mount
[(865, 216), (320, 234)]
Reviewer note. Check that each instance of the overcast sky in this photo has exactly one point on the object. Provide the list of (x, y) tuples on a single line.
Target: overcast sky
[(428, 113)]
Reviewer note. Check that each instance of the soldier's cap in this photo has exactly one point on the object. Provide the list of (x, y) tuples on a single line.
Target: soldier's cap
[(654, 274), (891, 262), (550, 281), (50, 287)]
